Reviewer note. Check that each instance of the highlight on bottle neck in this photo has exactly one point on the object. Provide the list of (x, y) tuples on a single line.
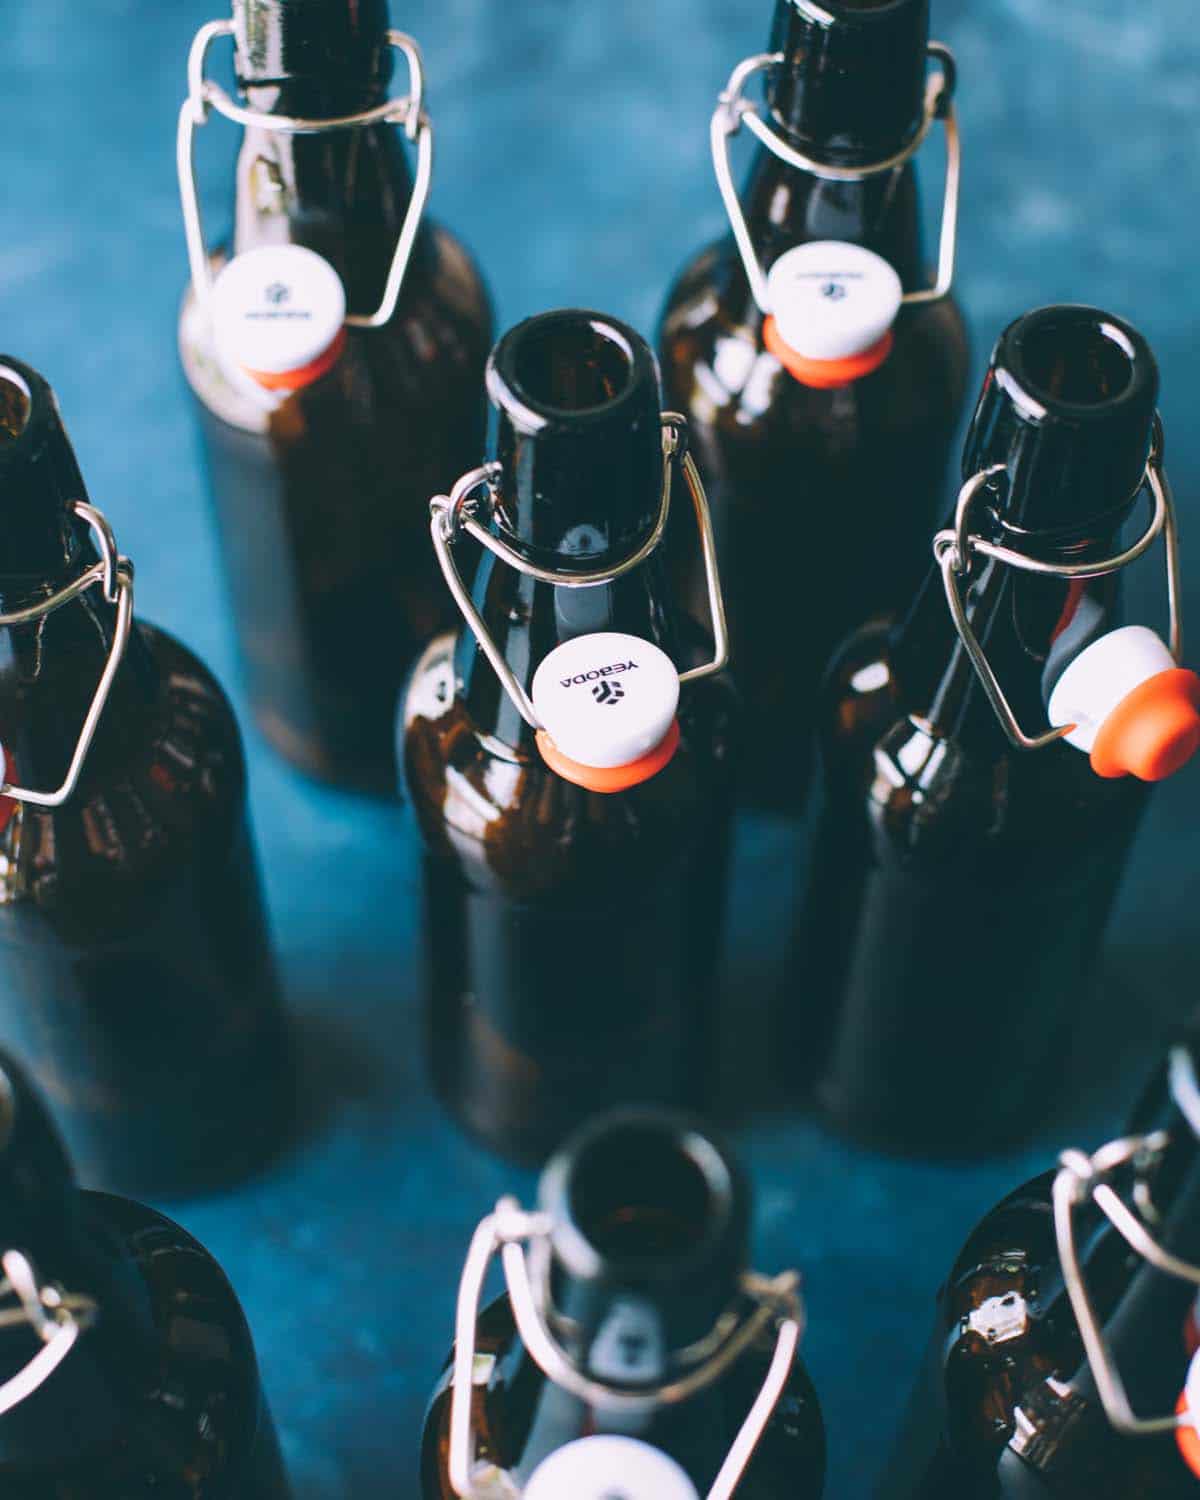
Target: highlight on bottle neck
[(627, 1286), (1064, 442), (577, 498), (849, 97), (337, 47)]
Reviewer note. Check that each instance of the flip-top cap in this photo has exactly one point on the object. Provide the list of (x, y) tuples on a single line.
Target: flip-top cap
[(279, 315), (1187, 1434), (602, 1468), (1134, 711), (607, 704), (832, 309)]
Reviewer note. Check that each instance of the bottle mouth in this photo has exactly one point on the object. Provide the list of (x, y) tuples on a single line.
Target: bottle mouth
[(1076, 359), (640, 1195), (16, 403), (566, 364)]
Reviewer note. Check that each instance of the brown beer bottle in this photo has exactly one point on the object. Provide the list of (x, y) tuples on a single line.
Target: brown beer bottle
[(136, 979), (632, 1354), (1062, 1365), (336, 354), (126, 1366), (967, 852), (568, 756), (822, 374)]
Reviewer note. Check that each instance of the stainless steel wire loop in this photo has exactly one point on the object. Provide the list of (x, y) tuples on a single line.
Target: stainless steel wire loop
[(734, 110), (475, 494), (114, 574), (408, 110), (1080, 1179), (957, 545), (56, 1317), (508, 1232)]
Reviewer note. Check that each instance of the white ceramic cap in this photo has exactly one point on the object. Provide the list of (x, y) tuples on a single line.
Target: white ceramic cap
[(1101, 676), (276, 309), (609, 1468), (606, 699), (831, 300)]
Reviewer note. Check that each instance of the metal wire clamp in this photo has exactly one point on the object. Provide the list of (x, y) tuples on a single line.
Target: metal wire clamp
[(204, 94), (461, 509), (734, 110), (507, 1232), (1080, 1179), (954, 548), (55, 1316), (114, 574)]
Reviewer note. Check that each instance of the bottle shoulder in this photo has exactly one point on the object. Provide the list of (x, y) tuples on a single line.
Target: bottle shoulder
[(501, 812), (194, 1421), (518, 1418)]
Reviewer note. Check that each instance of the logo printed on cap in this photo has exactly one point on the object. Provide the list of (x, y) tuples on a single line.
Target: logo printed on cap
[(832, 304), (278, 314), (578, 686)]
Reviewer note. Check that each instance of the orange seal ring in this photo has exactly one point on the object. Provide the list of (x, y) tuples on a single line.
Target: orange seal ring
[(610, 778), (1188, 1438), (295, 380), (825, 374), (1153, 730)]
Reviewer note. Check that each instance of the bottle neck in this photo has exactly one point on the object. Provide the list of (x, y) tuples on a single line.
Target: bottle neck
[(1030, 626), (785, 207), (528, 619), (341, 193)]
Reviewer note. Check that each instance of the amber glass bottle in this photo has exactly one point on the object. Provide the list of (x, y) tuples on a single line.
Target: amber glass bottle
[(960, 885), (572, 932), (824, 474), (321, 479), (632, 1344), (137, 980), (1008, 1406), (126, 1367)]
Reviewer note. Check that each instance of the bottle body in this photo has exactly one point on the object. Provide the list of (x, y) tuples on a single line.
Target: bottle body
[(192, 1419), (1007, 1407), (960, 883), (519, 1419), (573, 937), (321, 492), (139, 983)]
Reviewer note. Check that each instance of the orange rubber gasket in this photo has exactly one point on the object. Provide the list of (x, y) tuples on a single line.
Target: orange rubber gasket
[(825, 374), (295, 380), (1188, 1439), (610, 778), (1109, 752)]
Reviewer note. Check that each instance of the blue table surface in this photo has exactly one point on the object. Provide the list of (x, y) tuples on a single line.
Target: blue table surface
[(573, 156)]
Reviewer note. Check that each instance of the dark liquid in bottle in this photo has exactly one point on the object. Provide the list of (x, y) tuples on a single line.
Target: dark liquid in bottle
[(322, 502)]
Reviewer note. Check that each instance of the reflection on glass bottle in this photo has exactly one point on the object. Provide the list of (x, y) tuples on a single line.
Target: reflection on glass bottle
[(126, 1366), (633, 1354), (961, 881), (573, 911), (1014, 1403), (136, 977), (822, 408), (326, 429)]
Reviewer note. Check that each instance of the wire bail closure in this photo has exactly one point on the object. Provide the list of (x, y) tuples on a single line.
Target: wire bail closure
[(55, 1316), (734, 110), (204, 95), (460, 511), (507, 1232), (957, 545), (1082, 1179), (114, 574)]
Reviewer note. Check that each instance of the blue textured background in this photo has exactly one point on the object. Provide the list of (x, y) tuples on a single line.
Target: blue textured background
[(573, 155)]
